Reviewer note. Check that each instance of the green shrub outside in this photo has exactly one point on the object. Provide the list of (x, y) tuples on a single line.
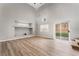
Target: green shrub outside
[(63, 34)]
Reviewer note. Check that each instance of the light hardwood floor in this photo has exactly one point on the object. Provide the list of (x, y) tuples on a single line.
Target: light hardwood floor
[(37, 46)]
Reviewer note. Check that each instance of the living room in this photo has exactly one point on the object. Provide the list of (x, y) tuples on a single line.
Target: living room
[(32, 26)]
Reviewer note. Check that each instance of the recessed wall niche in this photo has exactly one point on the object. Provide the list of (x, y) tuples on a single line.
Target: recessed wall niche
[(23, 29)]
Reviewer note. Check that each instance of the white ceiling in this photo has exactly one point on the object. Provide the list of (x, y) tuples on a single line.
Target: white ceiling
[(36, 5)]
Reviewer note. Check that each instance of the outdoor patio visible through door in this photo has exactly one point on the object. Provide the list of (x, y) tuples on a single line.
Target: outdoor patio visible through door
[(62, 31)]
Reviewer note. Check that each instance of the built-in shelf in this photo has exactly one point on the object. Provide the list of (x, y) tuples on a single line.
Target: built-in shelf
[(28, 25), (23, 28)]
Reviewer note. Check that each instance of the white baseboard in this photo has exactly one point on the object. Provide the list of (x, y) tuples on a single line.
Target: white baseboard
[(46, 37), (15, 38)]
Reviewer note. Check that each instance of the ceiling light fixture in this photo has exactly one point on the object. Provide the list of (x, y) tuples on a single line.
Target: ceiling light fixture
[(36, 5)]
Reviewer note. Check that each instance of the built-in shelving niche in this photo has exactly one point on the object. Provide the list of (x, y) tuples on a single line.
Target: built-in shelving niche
[(23, 29)]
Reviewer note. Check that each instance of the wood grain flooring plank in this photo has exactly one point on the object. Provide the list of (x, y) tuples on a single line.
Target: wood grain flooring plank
[(37, 46)]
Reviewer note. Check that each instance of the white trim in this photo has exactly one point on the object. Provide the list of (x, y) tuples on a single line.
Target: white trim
[(15, 38)]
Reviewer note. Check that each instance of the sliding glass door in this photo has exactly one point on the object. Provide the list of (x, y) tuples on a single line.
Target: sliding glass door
[(57, 33), (62, 31)]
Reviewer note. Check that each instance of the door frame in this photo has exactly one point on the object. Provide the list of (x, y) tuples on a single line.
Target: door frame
[(54, 28)]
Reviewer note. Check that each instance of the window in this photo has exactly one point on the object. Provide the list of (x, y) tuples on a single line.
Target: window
[(44, 28)]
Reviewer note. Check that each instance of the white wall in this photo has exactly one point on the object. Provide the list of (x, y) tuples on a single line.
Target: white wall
[(11, 12), (19, 31), (57, 13), (52, 12)]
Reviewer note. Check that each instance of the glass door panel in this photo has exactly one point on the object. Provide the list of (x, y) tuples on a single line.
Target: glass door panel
[(62, 31), (57, 31)]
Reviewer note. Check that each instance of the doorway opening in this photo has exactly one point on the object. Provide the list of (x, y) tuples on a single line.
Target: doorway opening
[(62, 31)]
